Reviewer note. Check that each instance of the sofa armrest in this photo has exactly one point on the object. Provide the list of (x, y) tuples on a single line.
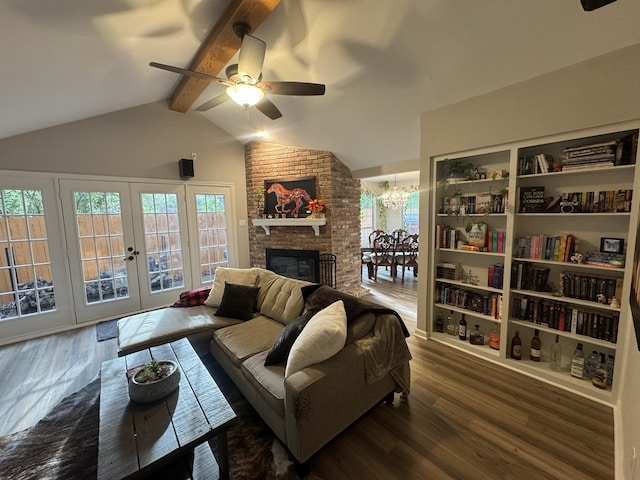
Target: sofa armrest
[(325, 398)]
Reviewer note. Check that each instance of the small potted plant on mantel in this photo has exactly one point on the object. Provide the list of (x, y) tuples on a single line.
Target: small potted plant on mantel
[(153, 381), (316, 207)]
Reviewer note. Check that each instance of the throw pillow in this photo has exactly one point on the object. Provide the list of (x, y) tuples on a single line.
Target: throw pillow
[(322, 338), (239, 276), (193, 298), (280, 349), (238, 301)]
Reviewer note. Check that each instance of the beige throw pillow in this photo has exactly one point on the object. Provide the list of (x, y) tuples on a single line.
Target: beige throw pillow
[(238, 276), (321, 338)]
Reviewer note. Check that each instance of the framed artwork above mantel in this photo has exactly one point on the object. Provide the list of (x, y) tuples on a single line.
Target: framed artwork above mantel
[(289, 197)]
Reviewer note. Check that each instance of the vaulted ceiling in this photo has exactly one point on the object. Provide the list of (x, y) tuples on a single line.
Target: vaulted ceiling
[(383, 62)]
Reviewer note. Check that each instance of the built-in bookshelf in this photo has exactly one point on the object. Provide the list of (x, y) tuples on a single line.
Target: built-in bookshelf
[(536, 236)]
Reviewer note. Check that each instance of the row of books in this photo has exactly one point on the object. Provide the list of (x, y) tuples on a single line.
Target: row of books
[(492, 241), (545, 247), (590, 287), (533, 200), (495, 275), (560, 316), (525, 276), (489, 304), (481, 203), (606, 154), (448, 271)]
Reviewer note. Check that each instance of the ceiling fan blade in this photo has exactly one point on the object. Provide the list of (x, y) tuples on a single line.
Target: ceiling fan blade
[(267, 107), (214, 102), (292, 88), (251, 56), (189, 73)]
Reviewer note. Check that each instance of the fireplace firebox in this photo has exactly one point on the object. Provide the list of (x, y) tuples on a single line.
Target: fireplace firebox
[(294, 263)]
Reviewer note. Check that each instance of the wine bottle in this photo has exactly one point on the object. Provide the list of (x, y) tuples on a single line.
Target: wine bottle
[(462, 333), (451, 326), (591, 363), (555, 357), (494, 337), (476, 337), (439, 323), (577, 362), (599, 378), (535, 346), (516, 346)]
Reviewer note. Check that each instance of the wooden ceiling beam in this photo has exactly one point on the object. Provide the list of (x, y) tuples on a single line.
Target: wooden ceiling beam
[(218, 48)]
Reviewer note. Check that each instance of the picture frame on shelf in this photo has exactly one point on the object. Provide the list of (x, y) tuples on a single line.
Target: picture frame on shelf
[(289, 196), (612, 245)]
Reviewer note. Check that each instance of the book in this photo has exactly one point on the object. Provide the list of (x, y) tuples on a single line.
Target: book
[(532, 199), (483, 203)]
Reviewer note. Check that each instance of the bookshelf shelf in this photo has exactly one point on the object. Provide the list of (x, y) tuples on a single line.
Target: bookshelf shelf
[(603, 187), (574, 336), (469, 313), (484, 288)]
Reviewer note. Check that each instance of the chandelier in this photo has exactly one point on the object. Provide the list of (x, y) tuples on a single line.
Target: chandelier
[(395, 198)]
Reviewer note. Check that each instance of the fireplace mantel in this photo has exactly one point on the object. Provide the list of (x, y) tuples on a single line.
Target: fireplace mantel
[(267, 223)]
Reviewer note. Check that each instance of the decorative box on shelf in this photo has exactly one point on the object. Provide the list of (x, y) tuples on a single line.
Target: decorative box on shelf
[(267, 223)]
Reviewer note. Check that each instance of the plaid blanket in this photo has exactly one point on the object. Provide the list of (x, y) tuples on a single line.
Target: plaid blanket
[(193, 298)]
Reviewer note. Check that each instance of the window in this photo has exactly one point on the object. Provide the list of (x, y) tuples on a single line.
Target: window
[(367, 211), (410, 215), (212, 234), (26, 283)]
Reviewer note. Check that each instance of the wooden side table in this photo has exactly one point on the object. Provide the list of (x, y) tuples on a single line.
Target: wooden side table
[(171, 434)]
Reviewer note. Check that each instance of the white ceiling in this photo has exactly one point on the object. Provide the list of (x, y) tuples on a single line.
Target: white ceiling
[(383, 61)]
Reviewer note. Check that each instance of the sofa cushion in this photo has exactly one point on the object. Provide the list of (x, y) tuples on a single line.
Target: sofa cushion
[(322, 338), (245, 339), (144, 330), (267, 380), (238, 301), (283, 300), (239, 276), (280, 349)]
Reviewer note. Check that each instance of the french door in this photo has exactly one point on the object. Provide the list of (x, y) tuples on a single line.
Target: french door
[(128, 245)]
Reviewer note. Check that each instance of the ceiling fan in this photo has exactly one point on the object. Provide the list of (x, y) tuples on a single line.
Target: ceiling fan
[(244, 79)]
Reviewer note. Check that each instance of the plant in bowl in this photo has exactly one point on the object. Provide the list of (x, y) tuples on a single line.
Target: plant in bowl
[(153, 381)]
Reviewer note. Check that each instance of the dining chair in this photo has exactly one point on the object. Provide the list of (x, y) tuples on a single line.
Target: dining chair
[(365, 254), (406, 255), (383, 254)]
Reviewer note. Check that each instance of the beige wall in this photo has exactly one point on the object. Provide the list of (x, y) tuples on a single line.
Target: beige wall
[(597, 92), (142, 142)]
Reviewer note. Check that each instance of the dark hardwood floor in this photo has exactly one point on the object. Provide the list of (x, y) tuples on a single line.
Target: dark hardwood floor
[(464, 418)]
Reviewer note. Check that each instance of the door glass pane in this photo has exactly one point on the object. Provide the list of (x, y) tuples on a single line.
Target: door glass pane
[(101, 244), (162, 241), (26, 285), (212, 234)]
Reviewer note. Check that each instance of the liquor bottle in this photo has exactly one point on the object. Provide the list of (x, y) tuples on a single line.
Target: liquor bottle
[(494, 337), (590, 364), (476, 337), (555, 357), (516, 346), (599, 378), (451, 325), (462, 333), (439, 323), (577, 362), (535, 346), (610, 364)]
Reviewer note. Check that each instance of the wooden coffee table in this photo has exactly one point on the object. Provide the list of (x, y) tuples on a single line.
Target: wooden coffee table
[(171, 434)]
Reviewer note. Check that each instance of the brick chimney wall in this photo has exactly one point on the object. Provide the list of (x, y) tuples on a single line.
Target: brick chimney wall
[(334, 184)]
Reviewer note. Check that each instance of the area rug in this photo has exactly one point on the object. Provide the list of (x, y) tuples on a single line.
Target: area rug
[(106, 330), (64, 444)]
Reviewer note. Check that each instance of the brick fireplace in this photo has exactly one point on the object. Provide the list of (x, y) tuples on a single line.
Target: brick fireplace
[(334, 184)]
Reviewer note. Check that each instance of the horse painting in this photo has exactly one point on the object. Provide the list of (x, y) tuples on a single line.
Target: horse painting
[(285, 197)]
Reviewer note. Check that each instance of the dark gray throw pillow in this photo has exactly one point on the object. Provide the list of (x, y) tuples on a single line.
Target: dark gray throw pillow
[(238, 301), (282, 346)]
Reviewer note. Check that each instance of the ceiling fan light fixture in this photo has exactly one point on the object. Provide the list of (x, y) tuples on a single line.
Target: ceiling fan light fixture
[(245, 95)]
